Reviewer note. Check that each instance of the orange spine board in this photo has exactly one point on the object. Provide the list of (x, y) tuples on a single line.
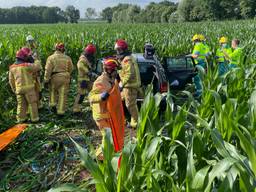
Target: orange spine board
[(11, 134)]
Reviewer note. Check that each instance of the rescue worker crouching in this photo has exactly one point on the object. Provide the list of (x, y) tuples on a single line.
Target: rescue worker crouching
[(85, 81), (130, 80), (30, 43), (22, 84), (57, 77), (98, 97)]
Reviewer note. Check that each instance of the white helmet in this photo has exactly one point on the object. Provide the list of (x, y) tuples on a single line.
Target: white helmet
[(30, 38)]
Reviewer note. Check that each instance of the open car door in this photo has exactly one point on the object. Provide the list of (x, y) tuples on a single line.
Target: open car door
[(179, 71)]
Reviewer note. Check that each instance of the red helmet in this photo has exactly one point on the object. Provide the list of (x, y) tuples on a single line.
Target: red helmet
[(110, 63), (90, 49), (60, 46), (121, 44), (23, 53)]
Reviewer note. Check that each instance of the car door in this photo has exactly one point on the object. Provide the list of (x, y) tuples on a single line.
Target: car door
[(179, 71)]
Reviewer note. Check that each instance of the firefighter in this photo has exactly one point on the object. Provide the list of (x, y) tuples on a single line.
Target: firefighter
[(234, 57), (84, 66), (30, 43), (130, 79), (22, 84), (221, 59), (57, 77), (199, 54), (99, 95)]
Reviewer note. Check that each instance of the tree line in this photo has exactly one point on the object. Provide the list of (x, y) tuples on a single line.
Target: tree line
[(163, 12), (185, 10), (39, 14)]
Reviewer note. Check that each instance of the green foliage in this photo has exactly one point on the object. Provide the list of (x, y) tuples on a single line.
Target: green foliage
[(198, 10), (152, 13), (38, 14)]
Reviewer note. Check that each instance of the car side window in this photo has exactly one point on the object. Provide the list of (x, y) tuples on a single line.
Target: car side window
[(176, 63)]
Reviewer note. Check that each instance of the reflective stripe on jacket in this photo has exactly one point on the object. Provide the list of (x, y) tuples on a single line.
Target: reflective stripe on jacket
[(83, 67), (21, 77), (58, 63), (130, 74), (99, 107)]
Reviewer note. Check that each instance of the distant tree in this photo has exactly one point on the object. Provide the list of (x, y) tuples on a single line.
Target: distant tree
[(248, 8), (90, 13), (185, 8), (167, 12), (73, 14), (230, 10), (50, 15), (174, 17), (107, 14), (33, 14), (133, 13)]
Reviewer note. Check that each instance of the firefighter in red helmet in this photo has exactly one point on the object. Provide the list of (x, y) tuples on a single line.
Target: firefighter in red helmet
[(57, 76), (22, 84), (85, 78), (130, 79), (99, 94)]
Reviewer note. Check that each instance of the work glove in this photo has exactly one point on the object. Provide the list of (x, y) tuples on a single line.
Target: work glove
[(83, 84), (104, 96)]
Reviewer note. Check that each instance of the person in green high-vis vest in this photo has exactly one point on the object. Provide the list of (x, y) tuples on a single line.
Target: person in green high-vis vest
[(222, 62), (207, 48), (235, 57), (199, 54)]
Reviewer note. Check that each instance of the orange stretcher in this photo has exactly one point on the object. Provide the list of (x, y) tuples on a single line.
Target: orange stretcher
[(11, 134), (117, 118)]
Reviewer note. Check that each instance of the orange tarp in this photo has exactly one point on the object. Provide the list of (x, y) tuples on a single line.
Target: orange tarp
[(9, 135), (115, 109)]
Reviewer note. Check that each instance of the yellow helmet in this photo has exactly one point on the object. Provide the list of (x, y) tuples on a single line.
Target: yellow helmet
[(223, 40), (196, 37), (202, 37)]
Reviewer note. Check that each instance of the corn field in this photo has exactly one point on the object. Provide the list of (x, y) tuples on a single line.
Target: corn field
[(206, 145)]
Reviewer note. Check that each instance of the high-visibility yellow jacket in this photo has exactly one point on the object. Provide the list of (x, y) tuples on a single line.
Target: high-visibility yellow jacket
[(129, 73), (21, 77), (199, 49), (236, 55), (99, 108), (207, 49), (220, 55), (84, 67), (59, 64)]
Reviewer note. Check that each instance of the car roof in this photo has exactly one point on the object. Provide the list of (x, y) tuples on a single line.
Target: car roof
[(141, 59)]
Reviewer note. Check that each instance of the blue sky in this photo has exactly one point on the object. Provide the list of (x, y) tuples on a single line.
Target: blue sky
[(81, 4)]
